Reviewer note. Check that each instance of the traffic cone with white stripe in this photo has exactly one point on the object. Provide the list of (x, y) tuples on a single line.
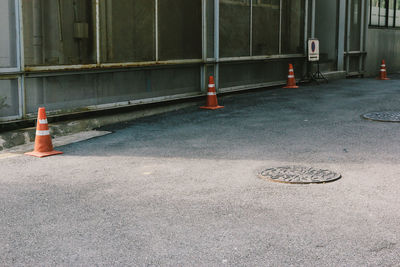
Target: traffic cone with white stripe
[(291, 81), (43, 144), (383, 74), (212, 102)]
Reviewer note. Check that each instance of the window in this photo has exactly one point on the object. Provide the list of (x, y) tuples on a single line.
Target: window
[(179, 33), (261, 27), (7, 35), (266, 19), (384, 13), (127, 31), (292, 26), (397, 14), (59, 32), (234, 28)]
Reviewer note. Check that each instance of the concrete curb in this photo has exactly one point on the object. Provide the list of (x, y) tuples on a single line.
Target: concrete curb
[(24, 136)]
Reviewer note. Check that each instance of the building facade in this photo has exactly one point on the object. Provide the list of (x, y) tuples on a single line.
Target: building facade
[(74, 56)]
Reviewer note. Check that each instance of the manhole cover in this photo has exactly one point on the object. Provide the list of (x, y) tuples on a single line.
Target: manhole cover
[(299, 175), (388, 116)]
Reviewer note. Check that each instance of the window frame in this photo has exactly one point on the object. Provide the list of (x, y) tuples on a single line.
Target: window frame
[(387, 5)]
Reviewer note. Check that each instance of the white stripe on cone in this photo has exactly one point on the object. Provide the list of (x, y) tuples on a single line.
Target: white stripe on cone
[(43, 133), (43, 121), (211, 93), (211, 85), (383, 70), (290, 76)]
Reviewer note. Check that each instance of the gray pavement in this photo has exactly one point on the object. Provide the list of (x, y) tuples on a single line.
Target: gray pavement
[(181, 189)]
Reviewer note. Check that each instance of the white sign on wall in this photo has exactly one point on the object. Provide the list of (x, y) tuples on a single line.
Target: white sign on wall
[(313, 50)]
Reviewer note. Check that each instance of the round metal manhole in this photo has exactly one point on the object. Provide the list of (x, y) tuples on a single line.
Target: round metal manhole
[(299, 175), (387, 116)]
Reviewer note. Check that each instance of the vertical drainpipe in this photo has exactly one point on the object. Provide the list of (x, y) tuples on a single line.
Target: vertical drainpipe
[(203, 67), (362, 32), (156, 29), (216, 42), (305, 25), (251, 29), (306, 64), (312, 18), (37, 41), (20, 57), (341, 34), (280, 28), (348, 17)]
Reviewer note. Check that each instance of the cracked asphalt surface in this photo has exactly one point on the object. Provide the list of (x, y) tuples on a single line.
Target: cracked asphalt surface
[(181, 189)]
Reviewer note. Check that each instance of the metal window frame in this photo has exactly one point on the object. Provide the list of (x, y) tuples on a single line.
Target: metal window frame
[(274, 56), (15, 73), (387, 4), (17, 68), (21, 71), (347, 53)]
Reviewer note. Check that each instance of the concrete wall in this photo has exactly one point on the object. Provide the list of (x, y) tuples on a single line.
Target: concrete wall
[(382, 44)]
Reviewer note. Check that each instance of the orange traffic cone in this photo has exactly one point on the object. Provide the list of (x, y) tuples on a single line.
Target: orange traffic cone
[(291, 81), (383, 74), (43, 144), (212, 102)]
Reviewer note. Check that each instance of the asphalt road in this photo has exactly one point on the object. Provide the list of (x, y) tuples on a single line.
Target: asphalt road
[(181, 189)]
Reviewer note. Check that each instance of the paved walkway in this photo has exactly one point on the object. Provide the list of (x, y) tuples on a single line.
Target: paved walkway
[(181, 189)]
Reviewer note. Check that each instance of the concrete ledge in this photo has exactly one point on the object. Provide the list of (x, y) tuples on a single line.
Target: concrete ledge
[(24, 136), (335, 75)]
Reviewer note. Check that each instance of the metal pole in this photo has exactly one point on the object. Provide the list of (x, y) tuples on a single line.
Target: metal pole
[(280, 27), (204, 45), (348, 14), (341, 34), (98, 58), (156, 28), (19, 35), (305, 26), (20, 59), (312, 18), (362, 20), (251, 29), (216, 42)]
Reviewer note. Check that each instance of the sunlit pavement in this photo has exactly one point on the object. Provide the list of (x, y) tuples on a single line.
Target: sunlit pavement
[(182, 189)]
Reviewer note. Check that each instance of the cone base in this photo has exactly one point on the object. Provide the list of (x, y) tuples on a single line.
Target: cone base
[(291, 86), (43, 154), (216, 107), (383, 79)]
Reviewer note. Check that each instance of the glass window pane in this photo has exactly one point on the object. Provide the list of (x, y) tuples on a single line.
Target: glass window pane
[(293, 26), (391, 13), (397, 23), (9, 98), (210, 28), (382, 13), (7, 34), (127, 30), (374, 20), (234, 28), (180, 31), (266, 27), (59, 32), (355, 25), (326, 21)]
